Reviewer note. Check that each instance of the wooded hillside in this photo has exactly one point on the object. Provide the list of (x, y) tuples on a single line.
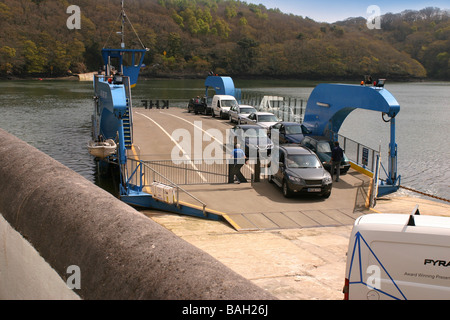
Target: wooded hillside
[(192, 37)]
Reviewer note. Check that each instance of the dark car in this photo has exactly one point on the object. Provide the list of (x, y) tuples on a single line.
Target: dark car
[(290, 132), (197, 105), (300, 171), (253, 140), (322, 146)]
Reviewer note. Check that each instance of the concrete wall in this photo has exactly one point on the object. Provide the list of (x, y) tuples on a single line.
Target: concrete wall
[(24, 274), (64, 220)]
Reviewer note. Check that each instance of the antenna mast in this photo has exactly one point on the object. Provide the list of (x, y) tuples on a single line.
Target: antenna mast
[(122, 44)]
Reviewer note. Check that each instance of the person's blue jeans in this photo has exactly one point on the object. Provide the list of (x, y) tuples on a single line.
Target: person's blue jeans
[(335, 169)]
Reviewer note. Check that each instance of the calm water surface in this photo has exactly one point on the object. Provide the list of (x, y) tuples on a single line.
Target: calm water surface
[(54, 116)]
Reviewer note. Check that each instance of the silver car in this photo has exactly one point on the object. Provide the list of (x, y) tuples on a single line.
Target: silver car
[(240, 111), (301, 172), (263, 119)]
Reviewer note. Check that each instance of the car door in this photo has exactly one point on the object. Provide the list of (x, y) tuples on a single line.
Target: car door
[(247, 120), (218, 106), (279, 176), (308, 143), (282, 134), (275, 127), (234, 110)]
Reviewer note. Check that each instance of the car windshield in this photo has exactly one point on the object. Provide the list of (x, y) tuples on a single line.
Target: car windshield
[(246, 110), (323, 146), (255, 133), (267, 118), (294, 129), (303, 161), (228, 103)]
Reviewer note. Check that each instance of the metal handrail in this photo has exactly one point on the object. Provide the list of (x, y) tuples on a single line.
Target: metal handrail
[(173, 184), (198, 171), (356, 157)]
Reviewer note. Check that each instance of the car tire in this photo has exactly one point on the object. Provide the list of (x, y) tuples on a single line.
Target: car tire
[(287, 193), (212, 113), (270, 178), (326, 195)]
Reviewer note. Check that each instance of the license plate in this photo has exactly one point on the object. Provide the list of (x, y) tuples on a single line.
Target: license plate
[(314, 189)]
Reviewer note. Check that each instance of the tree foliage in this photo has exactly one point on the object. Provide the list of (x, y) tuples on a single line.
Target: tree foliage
[(187, 37)]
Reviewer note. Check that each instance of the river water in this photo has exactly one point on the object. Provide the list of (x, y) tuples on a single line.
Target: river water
[(54, 116)]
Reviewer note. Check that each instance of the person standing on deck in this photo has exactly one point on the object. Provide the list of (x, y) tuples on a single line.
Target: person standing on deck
[(239, 160), (336, 156)]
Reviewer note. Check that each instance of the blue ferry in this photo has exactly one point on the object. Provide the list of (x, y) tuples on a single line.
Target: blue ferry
[(327, 108)]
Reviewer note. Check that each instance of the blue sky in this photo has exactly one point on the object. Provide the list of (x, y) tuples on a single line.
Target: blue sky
[(335, 10)]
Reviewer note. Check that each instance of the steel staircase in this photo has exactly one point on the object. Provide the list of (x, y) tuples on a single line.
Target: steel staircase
[(127, 129)]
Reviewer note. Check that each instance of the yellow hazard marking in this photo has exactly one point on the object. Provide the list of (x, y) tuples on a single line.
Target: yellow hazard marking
[(231, 221), (361, 170)]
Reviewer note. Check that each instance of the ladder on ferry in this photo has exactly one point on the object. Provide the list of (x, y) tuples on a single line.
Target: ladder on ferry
[(127, 129)]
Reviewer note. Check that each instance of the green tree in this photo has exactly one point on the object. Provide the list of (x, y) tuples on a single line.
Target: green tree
[(6, 57), (174, 45), (221, 29), (247, 54), (35, 58), (190, 21)]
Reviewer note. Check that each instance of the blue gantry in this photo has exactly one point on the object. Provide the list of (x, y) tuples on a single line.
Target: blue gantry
[(329, 105)]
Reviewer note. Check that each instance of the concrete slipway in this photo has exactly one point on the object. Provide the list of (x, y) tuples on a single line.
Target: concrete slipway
[(293, 248)]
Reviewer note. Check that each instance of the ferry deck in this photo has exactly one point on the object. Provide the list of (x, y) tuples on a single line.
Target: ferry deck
[(246, 206)]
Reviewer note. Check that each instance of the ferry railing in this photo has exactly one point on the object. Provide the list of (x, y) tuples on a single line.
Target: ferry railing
[(197, 171), (358, 153), (142, 174), (286, 108)]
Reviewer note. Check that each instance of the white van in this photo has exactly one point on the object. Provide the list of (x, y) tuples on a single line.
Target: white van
[(398, 256), (221, 105)]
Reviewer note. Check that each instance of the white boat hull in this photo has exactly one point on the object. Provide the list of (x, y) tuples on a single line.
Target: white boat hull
[(102, 149)]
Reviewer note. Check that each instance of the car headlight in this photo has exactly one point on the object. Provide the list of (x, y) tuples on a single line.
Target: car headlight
[(327, 179), (296, 180)]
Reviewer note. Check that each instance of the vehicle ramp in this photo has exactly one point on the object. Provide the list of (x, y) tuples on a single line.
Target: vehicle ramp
[(261, 205)]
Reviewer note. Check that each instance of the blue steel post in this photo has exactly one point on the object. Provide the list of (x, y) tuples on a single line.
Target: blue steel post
[(392, 155), (123, 151)]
